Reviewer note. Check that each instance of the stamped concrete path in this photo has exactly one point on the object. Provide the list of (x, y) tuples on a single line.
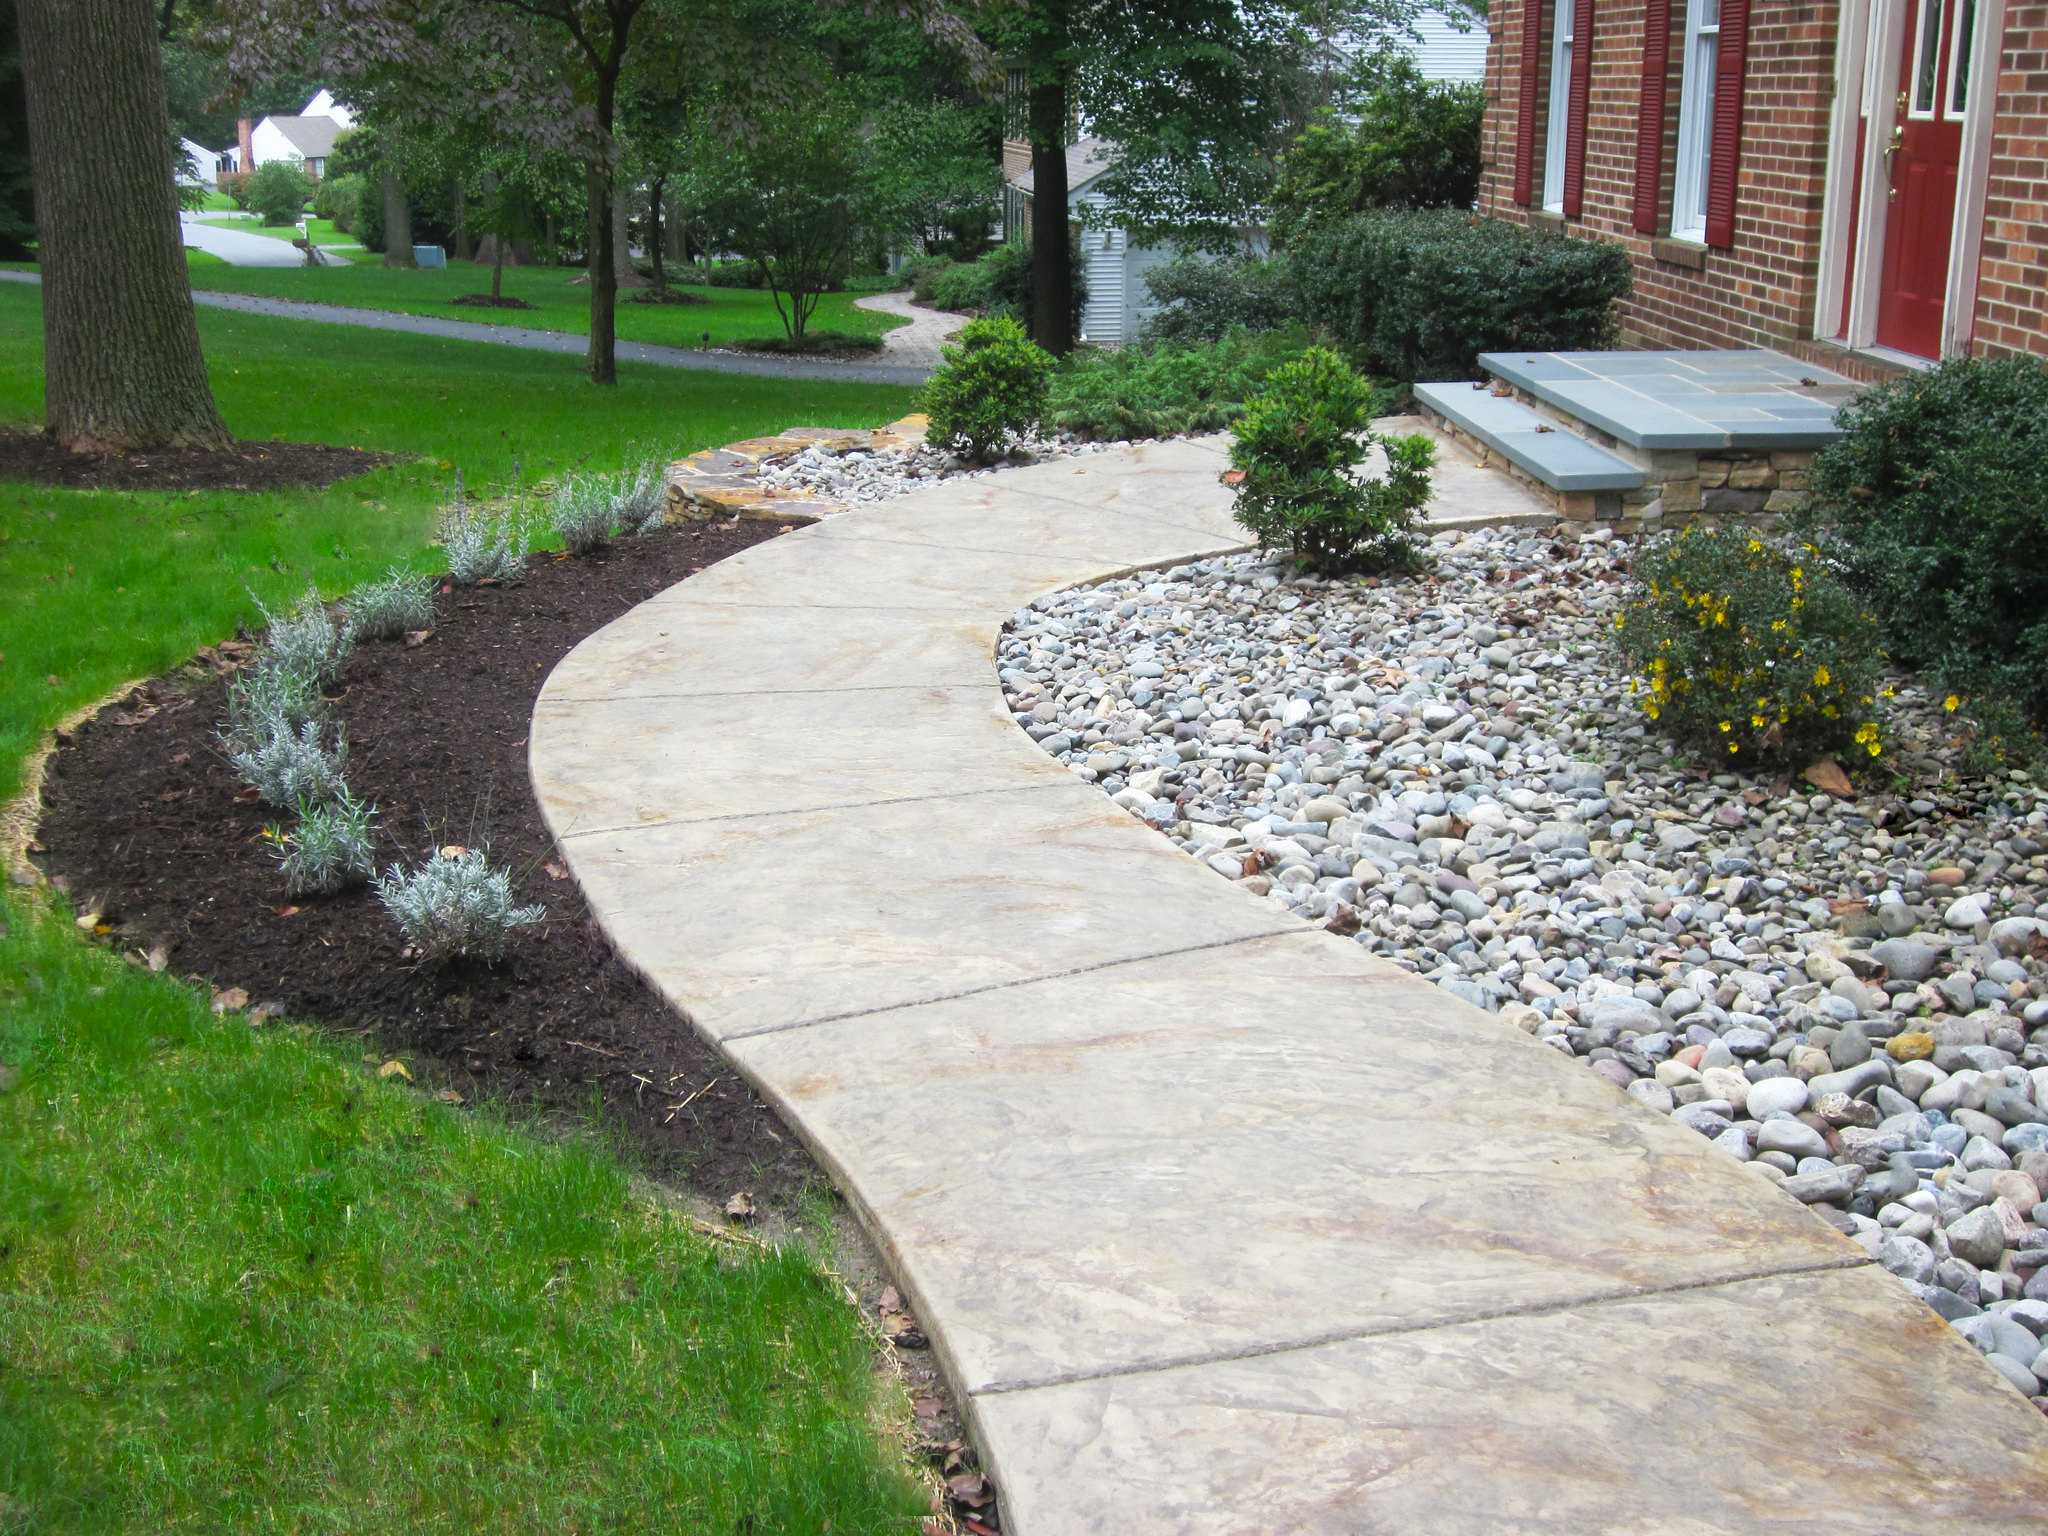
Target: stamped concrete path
[(1219, 1224)]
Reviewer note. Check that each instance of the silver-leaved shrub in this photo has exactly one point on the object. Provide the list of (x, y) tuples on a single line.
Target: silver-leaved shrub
[(455, 907)]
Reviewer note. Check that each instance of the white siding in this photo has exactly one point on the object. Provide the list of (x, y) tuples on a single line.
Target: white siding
[(268, 143), (1446, 53), (1142, 306), (1104, 318)]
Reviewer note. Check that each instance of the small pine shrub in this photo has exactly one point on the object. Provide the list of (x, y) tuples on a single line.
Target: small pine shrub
[(265, 698), (643, 499), (1750, 651), (991, 385), (1297, 448), (455, 907), (396, 604), (483, 547), (292, 767), (306, 640), (331, 848), (1203, 298)]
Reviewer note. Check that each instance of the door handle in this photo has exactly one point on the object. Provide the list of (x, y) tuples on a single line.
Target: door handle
[(1891, 150)]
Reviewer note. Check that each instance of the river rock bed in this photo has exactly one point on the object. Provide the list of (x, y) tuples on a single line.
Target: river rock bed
[(1850, 995), (864, 475)]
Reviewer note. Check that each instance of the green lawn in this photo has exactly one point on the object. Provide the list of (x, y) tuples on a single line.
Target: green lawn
[(217, 202), (560, 302), (248, 1285)]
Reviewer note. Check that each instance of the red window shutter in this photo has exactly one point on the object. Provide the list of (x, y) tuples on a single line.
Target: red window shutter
[(1650, 114), (1728, 67), (1580, 85), (1525, 121)]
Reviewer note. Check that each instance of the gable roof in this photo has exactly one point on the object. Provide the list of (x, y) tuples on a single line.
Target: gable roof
[(1086, 160), (312, 137)]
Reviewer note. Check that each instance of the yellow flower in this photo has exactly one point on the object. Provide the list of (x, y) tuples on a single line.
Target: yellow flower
[(1651, 710), (1951, 703), (1756, 546), (1727, 725), (1757, 721), (1874, 748), (1733, 748)]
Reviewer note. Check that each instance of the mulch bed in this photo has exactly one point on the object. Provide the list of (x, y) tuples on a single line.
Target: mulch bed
[(145, 822), (245, 467), (485, 301)]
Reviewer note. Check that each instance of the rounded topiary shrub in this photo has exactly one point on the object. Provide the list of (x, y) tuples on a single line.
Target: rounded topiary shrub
[(1749, 650), (1935, 505), (990, 386), (278, 191), (1295, 464)]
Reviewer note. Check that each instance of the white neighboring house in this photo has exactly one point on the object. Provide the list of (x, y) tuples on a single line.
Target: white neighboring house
[(206, 164), (306, 138), (1119, 302)]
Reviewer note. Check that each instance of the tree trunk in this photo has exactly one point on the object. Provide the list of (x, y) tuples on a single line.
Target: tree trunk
[(397, 222), (122, 369), (622, 244), (604, 278), (1052, 257), (465, 242), (498, 268), (654, 239)]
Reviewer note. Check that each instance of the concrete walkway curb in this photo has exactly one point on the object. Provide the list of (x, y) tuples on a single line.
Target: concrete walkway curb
[(1218, 1223), (567, 343)]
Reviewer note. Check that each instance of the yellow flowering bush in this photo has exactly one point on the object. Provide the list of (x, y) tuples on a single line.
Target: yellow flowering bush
[(1749, 649)]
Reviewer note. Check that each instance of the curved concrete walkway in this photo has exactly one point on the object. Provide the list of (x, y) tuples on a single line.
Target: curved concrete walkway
[(239, 247), (1219, 1224), (917, 344)]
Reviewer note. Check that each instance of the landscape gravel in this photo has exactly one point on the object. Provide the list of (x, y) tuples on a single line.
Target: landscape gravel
[(862, 476), (1849, 995)]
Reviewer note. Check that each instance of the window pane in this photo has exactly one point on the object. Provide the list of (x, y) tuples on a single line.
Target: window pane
[(1710, 13), (1959, 58), (1927, 57), (1710, 58)]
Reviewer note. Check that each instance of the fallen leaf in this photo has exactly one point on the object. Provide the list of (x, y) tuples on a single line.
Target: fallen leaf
[(969, 1488), (453, 851), (180, 759), (902, 1330), (263, 1013), (449, 1096), (1233, 477), (415, 638), (285, 911), (89, 921), (555, 871), (1826, 776), (230, 1000), (740, 1207), (394, 1069), (928, 1407), (247, 796), (157, 958), (889, 1300)]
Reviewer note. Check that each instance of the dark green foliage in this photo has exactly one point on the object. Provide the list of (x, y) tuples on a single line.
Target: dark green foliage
[(998, 282), (1010, 287), (1749, 651), (991, 385), (960, 285), (278, 192), (1936, 507), (1415, 144), (1162, 389), (1420, 294), (1204, 299), (17, 202), (1297, 447), (367, 224), (234, 186), (735, 274), (337, 198)]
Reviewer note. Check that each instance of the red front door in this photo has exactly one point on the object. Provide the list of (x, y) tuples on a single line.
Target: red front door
[(1926, 144)]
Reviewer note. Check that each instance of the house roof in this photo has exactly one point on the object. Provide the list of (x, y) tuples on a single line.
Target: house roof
[(312, 137), (1086, 160)]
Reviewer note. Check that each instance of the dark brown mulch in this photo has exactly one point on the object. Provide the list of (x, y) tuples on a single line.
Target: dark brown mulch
[(485, 301), (246, 467), (665, 296), (145, 822)]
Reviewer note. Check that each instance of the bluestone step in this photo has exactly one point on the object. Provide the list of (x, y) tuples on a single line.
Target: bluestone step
[(1539, 447)]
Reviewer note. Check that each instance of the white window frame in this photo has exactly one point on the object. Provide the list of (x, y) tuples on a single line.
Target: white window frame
[(1695, 123), (1559, 123), (1914, 110), (1959, 47)]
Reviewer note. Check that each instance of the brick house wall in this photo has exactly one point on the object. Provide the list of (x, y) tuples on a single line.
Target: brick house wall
[(1761, 291), (2012, 278)]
